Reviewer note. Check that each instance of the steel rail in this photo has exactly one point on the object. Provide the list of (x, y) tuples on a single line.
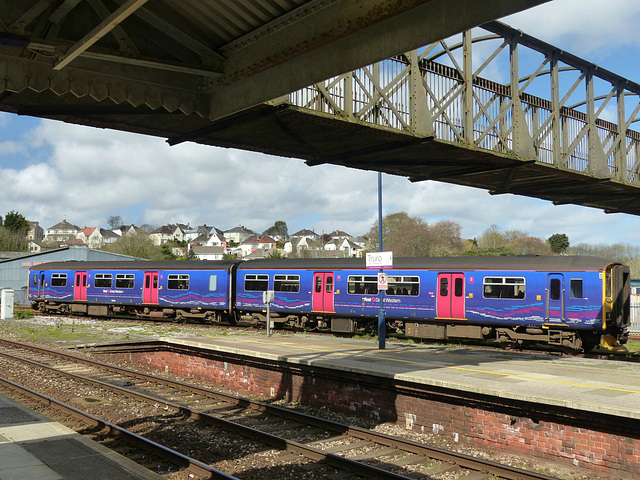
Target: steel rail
[(178, 458), (280, 443), (464, 461)]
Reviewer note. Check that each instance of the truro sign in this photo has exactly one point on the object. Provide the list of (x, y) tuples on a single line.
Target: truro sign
[(379, 260)]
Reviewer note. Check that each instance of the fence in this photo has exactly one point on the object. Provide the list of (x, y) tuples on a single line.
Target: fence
[(634, 328)]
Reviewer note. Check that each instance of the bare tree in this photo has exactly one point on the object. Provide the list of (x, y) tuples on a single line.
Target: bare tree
[(413, 237), (114, 221)]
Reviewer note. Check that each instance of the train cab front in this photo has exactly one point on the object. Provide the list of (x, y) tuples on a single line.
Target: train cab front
[(616, 306)]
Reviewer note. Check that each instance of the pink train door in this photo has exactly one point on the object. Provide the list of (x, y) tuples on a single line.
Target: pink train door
[(322, 300), (450, 295), (150, 291), (80, 287)]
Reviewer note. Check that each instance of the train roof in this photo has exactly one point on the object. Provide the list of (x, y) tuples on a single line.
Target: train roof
[(529, 262), (532, 262)]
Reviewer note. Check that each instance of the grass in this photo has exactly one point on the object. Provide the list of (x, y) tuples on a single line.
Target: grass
[(633, 346)]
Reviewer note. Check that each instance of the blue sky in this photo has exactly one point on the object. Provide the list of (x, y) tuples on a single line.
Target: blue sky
[(50, 170)]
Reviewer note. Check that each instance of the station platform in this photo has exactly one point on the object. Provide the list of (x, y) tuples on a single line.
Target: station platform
[(33, 446), (591, 385)]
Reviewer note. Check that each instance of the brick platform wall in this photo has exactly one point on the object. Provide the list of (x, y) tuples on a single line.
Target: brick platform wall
[(609, 446)]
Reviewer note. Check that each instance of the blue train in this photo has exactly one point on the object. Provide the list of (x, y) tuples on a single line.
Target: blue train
[(572, 302)]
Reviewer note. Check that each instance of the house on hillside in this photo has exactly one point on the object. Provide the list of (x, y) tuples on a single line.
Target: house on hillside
[(95, 237), (191, 233), (298, 244), (238, 234), (34, 246), (163, 234), (127, 230), (36, 232), (257, 242), (61, 232), (338, 235), (208, 253), (346, 246), (304, 233)]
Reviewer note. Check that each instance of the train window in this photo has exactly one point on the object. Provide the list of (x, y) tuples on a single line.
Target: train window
[(362, 284), (503, 287), (576, 288), (403, 286), (286, 283), (213, 283), (35, 278), (103, 280), (253, 281), (178, 282), (458, 287), (329, 284), (125, 280), (554, 289), (58, 279), (444, 287)]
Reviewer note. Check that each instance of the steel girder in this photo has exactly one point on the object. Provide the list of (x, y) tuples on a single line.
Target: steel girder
[(476, 91)]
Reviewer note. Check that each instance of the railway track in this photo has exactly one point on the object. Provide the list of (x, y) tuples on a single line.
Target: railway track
[(272, 438), (118, 438), (618, 355)]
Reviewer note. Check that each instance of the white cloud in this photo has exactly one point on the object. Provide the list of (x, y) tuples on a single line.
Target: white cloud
[(92, 174), (85, 174), (587, 28)]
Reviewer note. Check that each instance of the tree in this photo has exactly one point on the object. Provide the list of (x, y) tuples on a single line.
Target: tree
[(114, 221), (492, 238), (12, 241), (15, 222), (413, 237), (279, 229), (527, 245), (137, 245), (558, 242)]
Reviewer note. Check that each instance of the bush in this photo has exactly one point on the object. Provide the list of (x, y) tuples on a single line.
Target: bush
[(23, 313)]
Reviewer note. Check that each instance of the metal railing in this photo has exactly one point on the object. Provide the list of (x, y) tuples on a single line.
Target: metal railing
[(555, 113)]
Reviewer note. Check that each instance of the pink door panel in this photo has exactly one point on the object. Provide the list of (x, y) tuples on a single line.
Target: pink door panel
[(80, 287), (450, 295), (322, 299), (150, 291)]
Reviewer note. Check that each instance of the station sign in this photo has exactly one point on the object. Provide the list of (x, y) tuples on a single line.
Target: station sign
[(379, 260)]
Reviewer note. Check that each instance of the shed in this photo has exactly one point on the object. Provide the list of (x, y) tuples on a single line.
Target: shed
[(14, 272)]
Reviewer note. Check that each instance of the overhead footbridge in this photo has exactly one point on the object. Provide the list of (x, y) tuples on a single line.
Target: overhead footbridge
[(489, 107)]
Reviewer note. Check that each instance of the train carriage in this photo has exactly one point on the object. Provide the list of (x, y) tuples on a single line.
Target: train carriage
[(193, 289), (572, 302)]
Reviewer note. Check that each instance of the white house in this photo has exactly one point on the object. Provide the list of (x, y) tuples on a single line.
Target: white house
[(238, 234), (95, 237), (163, 234), (60, 232), (255, 242), (208, 253)]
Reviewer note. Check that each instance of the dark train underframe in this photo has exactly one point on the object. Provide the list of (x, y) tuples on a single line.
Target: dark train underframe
[(570, 340)]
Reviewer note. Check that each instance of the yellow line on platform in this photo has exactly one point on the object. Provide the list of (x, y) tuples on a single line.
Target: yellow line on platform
[(466, 369)]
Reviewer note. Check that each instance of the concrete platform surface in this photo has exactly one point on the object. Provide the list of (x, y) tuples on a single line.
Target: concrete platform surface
[(602, 386), (34, 447)]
